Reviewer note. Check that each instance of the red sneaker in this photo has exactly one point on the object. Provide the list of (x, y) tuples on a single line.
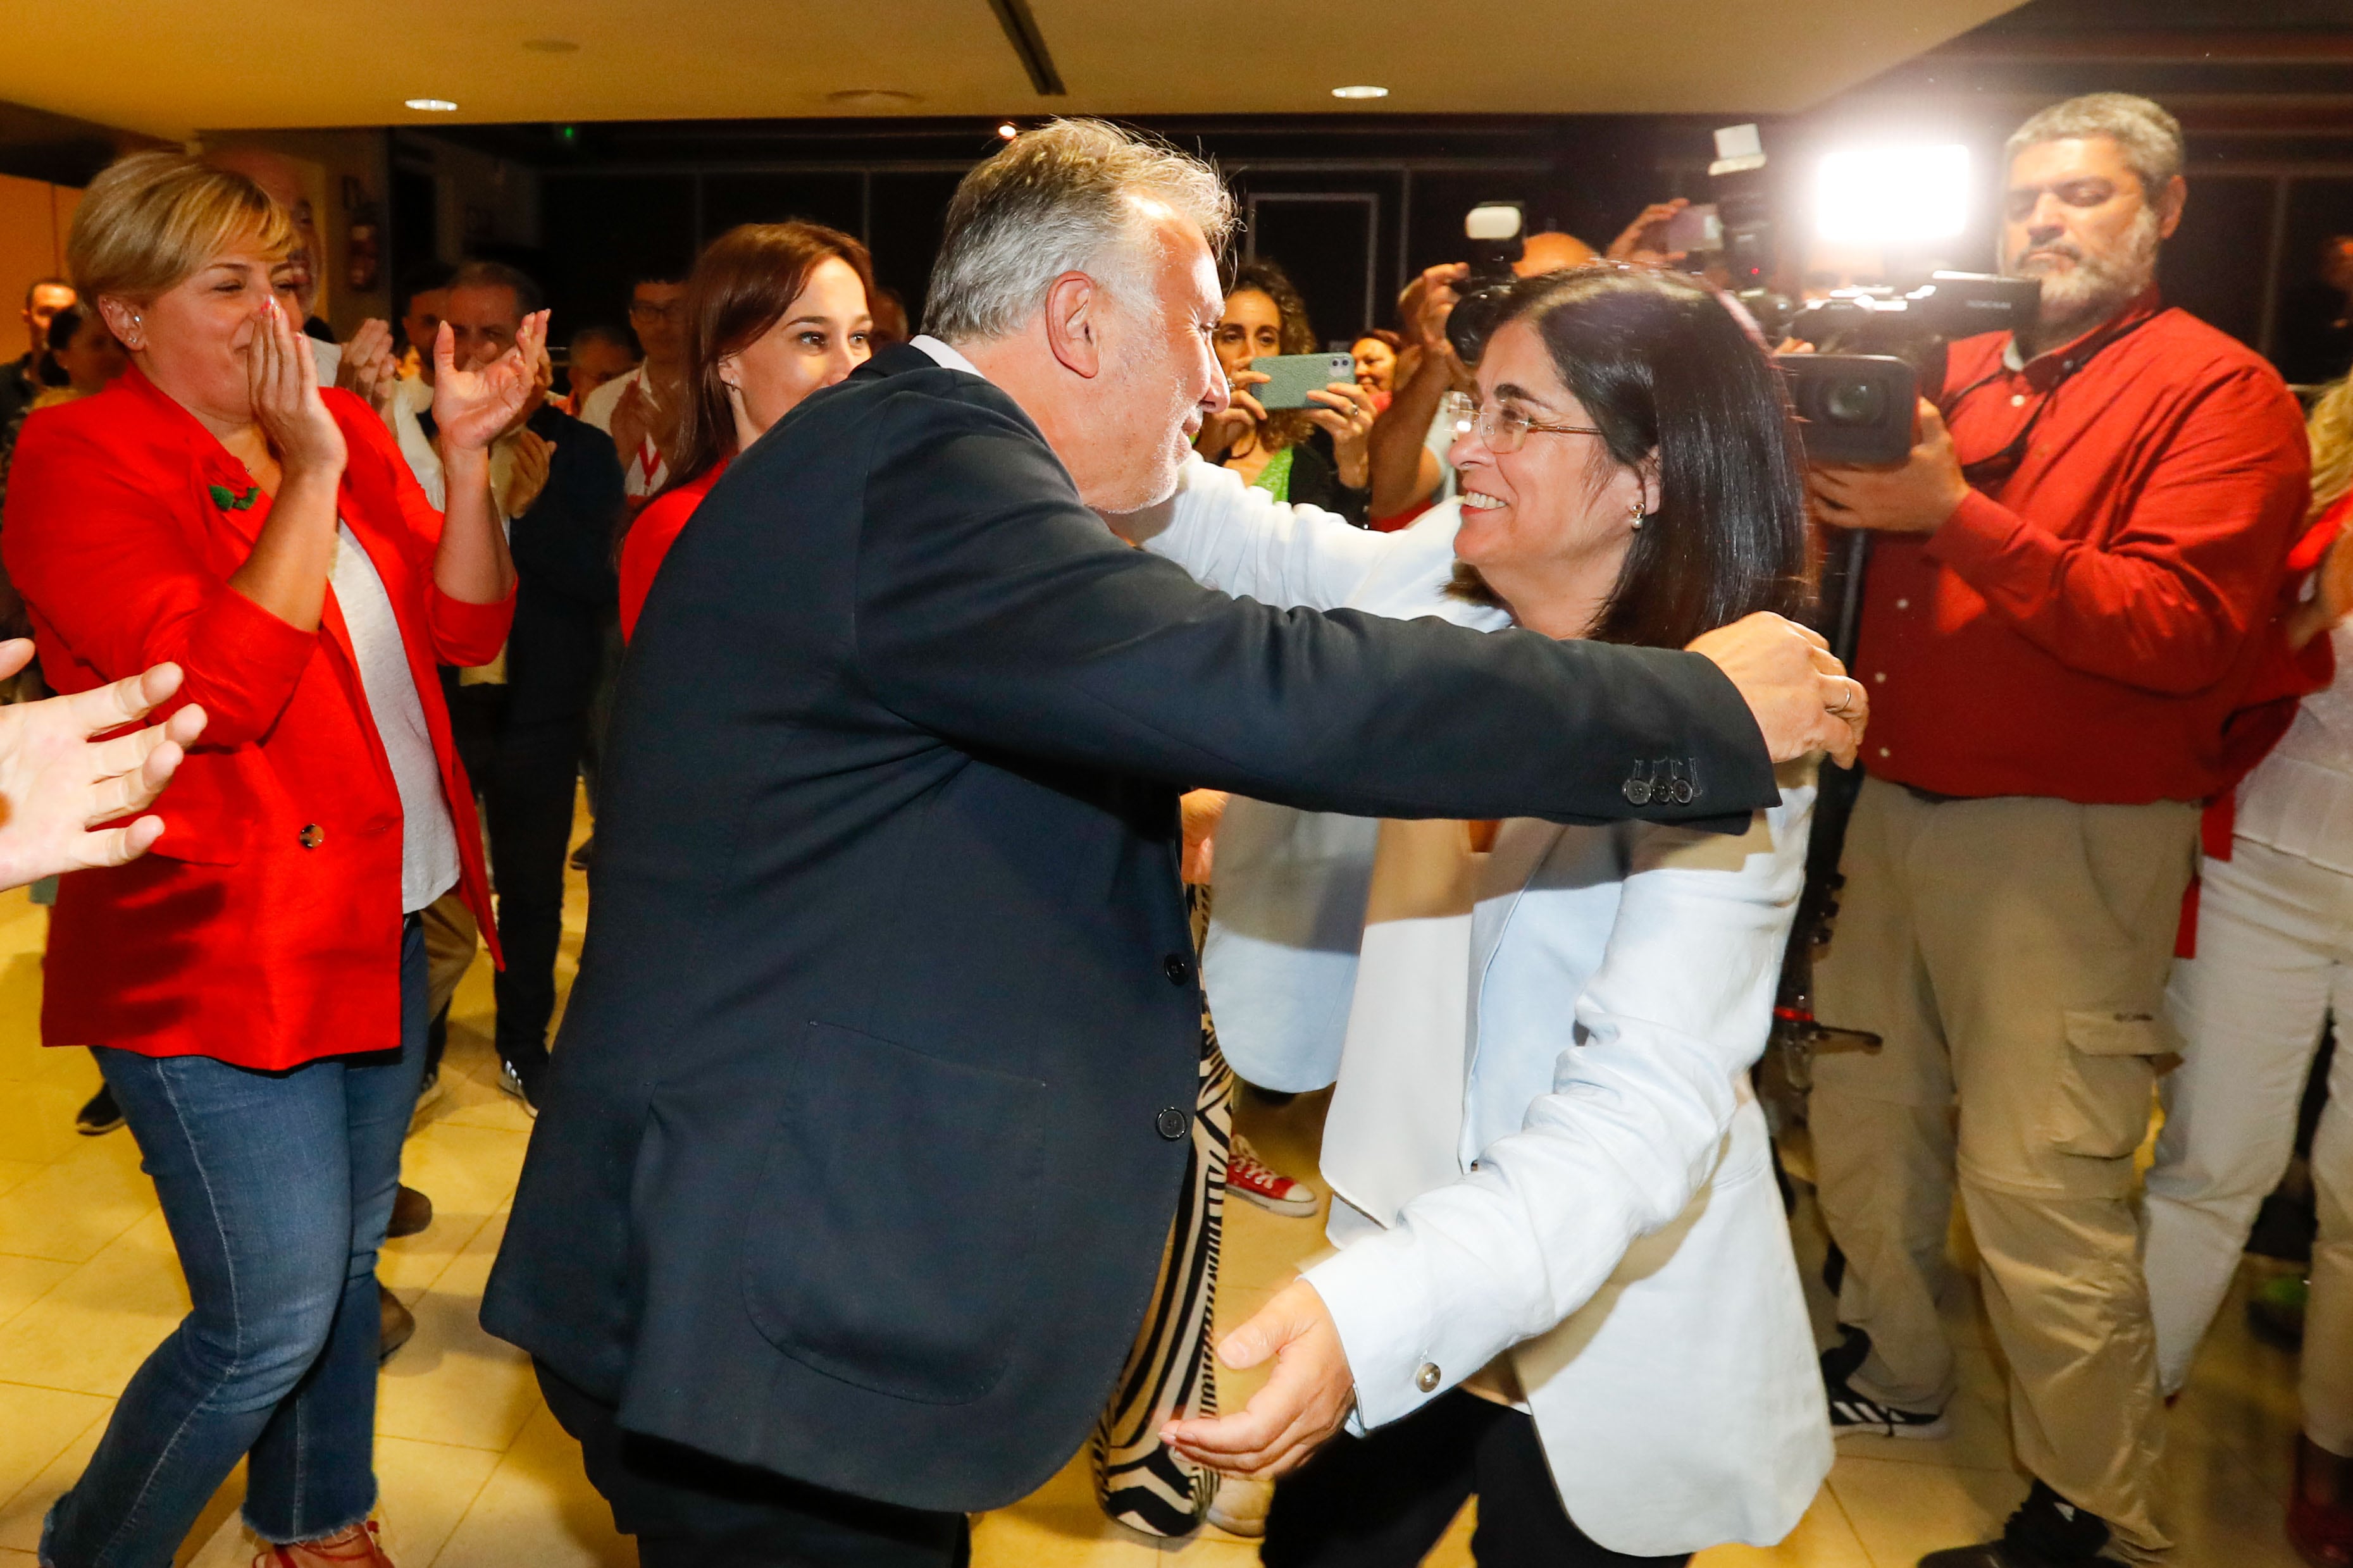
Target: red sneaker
[(2320, 1509), (1248, 1176)]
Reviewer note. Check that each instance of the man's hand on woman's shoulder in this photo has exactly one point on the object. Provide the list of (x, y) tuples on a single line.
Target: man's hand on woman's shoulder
[(1797, 691)]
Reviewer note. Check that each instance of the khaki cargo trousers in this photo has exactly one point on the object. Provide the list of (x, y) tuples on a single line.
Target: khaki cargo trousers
[(2014, 952)]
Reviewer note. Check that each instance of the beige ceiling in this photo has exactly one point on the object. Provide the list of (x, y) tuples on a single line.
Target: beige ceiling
[(169, 67)]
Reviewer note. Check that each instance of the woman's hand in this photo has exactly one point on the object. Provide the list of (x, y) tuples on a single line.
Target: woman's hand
[(282, 375), (1347, 412), (1243, 414), (1302, 1405), (368, 371), (57, 782), (474, 407)]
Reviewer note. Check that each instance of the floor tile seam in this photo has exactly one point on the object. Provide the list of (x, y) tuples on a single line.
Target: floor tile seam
[(450, 1260), (464, 1513), (81, 1432), (109, 1241), (470, 1447)]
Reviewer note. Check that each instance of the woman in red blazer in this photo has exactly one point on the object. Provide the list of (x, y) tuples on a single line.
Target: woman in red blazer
[(257, 980)]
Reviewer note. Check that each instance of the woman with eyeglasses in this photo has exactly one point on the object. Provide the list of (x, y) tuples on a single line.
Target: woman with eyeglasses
[(1565, 1283), (1315, 456)]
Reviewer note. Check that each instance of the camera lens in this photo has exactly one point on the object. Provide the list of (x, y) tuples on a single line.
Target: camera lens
[(1854, 402)]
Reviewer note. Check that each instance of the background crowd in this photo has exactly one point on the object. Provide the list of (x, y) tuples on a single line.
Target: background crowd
[(2101, 854)]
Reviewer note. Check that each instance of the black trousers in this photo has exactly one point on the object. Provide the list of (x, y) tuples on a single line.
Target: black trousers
[(1383, 1501), (524, 769), (688, 1509)]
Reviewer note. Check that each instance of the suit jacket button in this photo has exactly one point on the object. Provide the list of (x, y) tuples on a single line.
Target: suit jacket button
[(312, 837), (1169, 1123), (1636, 790), (1177, 967), (1427, 1378)]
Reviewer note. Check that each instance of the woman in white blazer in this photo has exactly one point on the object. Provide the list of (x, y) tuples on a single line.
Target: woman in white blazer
[(1564, 1283)]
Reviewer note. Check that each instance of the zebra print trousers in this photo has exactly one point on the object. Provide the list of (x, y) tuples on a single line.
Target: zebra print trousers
[(1139, 1480)]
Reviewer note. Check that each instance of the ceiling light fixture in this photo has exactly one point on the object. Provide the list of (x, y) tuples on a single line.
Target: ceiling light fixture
[(1360, 92), (1008, 130), (550, 46), (432, 105)]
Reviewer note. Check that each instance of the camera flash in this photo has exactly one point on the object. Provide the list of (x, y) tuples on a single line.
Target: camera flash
[(1893, 195)]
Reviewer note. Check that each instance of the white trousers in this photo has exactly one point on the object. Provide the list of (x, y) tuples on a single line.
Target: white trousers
[(2275, 960)]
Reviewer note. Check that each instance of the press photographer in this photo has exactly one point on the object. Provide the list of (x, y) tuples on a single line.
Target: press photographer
[(2076, 579)]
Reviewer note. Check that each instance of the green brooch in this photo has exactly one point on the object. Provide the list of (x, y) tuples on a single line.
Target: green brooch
[(228, 499)]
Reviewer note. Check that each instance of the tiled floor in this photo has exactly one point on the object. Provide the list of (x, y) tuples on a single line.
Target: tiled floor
[(477, 1474)]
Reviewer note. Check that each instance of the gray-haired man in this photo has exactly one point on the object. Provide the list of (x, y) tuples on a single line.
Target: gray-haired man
[(886, 901)]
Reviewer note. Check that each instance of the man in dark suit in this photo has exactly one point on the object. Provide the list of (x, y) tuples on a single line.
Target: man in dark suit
[(886, 898), (524, 723)]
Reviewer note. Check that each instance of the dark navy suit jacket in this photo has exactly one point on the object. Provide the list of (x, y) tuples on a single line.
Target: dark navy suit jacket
[(865, 1127)]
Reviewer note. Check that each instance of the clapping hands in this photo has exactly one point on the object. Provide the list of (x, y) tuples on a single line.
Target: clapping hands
[(474, 407)]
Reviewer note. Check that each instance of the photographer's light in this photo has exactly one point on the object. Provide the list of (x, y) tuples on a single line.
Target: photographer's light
[(1893, 195)]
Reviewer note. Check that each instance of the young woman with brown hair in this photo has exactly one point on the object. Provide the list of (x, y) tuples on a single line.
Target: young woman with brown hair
[(775, 312)]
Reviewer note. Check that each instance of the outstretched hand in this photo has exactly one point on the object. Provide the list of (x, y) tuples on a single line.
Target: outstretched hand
[(1302, 1405), (473, 407), (1797, 691), (57, 782)]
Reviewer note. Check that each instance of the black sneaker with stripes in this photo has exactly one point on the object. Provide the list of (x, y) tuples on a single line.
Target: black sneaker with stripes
[(1854, 1411)]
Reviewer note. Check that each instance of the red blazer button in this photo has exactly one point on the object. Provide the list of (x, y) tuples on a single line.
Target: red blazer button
[(311, 837)]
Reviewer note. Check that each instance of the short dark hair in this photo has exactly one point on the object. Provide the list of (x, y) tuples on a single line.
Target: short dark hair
[(422, 278), (37, 284), (1662, 366), (600, 333), (498, 274)]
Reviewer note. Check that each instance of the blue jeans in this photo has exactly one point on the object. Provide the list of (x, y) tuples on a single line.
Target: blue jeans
[(278, 1187)]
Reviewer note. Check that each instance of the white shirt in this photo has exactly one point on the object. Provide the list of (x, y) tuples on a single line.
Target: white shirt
[(943, 356), (410, 399), (2299, 799), (647, 470), (428, 838)]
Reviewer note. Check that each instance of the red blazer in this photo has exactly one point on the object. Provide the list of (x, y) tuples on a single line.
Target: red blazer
[(264, 928)]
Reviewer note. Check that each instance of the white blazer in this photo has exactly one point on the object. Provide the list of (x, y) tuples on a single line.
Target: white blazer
[(1542, 1134)]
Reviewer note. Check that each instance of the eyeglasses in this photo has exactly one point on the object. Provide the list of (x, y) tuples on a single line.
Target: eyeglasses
[(645, 311), (1500, 429)]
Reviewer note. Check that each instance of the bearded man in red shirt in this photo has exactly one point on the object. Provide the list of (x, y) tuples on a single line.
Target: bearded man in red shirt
[(2075, 581)]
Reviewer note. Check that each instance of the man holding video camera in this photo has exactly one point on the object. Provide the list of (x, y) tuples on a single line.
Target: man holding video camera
[(2075, 580)]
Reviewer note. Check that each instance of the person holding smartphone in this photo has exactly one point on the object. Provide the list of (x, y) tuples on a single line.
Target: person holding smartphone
[(1315, 456)]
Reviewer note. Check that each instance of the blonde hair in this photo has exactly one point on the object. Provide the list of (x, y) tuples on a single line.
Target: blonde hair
[(151, 220), (2330, 427)]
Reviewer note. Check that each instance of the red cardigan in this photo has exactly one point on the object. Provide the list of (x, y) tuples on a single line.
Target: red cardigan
[(264, 928)]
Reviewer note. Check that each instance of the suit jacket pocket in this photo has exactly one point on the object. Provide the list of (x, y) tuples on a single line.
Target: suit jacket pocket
[(893, 1231)]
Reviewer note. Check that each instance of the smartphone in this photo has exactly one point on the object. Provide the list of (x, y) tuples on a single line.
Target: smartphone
[(1696, 230), (1290, 377)]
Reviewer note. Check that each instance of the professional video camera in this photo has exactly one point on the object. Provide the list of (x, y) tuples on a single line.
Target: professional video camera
[(1496, 232), (1856, 400)]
